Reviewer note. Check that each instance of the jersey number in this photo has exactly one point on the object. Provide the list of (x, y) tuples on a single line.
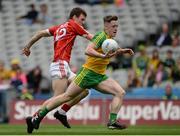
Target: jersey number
[(60, 33)]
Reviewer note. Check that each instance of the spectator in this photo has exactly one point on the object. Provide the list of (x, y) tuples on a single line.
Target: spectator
[(169, 94), (133, 79), (113, 64), (140, 63), (19, 80), (43, 16), (169, 61), (81, 1), (5, 74), (37, 82), (176, 71), (15, 65), (31, 16), (34, 78), (161, 74), (154, 60), (149, 77), (176, 40), (119, 3), (124, 61), (93, 2), (169, 64), (164, 38)]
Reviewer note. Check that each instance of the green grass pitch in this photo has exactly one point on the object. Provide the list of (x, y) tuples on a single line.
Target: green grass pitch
[(90, 130)]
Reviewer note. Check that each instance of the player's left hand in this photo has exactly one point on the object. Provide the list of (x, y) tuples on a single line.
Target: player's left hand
[(26, 51), (130, 51)]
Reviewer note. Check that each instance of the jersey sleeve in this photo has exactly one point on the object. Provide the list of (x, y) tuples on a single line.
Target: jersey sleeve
[(80, 30), (52, 29), (98, 39)]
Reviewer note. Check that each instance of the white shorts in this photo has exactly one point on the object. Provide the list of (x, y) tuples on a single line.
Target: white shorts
[(60, 69)]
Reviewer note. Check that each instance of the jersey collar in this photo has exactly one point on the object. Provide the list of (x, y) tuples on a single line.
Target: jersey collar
[(107, 36)]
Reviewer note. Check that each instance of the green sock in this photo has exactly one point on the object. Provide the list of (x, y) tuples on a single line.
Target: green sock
[(113, 117), (43, 112)]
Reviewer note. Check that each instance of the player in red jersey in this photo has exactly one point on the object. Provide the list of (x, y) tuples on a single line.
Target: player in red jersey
[(64, 37)]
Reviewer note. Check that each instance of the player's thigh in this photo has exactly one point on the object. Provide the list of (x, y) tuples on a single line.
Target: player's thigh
[(110, 86), (59, 85), (71, 74), (73, 90), (85, 92), (71, 78), (60, 73)]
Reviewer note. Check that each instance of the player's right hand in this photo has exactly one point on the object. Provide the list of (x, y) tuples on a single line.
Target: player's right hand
[(26, 51), (110, 54)]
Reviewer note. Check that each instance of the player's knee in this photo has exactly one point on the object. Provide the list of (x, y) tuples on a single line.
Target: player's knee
[(68, 97), (86, 92), (121, 93)]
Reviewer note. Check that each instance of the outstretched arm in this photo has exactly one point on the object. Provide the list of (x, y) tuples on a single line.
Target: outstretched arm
[(38, 35), (88, 36)]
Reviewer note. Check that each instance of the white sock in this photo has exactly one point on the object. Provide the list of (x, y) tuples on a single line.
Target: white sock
[(62, 112)]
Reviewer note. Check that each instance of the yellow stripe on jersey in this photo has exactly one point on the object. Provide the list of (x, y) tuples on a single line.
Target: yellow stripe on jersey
[(95, 64), (80, 77), (99, 38)]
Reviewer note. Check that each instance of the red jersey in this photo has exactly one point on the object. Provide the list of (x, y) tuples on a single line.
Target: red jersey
[(64, 37)]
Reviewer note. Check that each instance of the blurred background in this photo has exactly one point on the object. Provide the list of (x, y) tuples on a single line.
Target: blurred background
[(151, 77)]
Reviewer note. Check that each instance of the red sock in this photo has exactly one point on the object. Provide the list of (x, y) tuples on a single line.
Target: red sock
[(65, 107)]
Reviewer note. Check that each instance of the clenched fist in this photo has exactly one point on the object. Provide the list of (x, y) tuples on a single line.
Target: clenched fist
[(26, 51)]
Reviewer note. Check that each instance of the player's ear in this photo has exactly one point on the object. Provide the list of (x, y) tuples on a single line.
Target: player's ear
[(74, 17), (106, 24)]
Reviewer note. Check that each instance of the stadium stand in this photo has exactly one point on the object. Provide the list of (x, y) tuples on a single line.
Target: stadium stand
[(139, 19)]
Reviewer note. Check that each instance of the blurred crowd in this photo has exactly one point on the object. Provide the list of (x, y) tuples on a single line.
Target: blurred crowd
[(95, 2), (25, 84), (42, 16), (144, 70), (151, 70), (33, 16)]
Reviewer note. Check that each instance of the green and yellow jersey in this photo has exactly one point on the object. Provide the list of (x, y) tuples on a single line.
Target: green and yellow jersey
[(95, 64)]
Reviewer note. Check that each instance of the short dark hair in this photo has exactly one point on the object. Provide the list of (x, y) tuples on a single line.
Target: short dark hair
[(109, 18), (77, 12)]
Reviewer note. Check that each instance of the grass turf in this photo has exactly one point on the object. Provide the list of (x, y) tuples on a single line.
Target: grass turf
[(90, 130)]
